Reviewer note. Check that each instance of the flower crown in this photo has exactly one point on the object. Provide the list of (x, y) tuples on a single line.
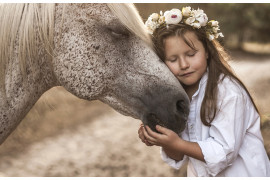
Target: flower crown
[(195, 18)]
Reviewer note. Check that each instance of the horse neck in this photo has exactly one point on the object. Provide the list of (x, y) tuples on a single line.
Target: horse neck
[(23, 91)]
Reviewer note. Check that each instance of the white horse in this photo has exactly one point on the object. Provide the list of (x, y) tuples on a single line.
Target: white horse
[(95, 51)]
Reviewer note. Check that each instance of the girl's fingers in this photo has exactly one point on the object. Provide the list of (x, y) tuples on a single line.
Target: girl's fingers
[(140, 130), (161, 129), (149, 143), (141, 137), (153, 143), (147, 137), (153, 134)]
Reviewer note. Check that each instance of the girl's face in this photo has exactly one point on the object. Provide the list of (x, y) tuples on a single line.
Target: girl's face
[(187, 64)]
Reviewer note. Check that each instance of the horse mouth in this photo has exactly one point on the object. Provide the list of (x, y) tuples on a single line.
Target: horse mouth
[(153, 120)]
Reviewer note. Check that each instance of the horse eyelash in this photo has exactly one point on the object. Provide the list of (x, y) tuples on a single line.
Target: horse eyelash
[(118, 33)]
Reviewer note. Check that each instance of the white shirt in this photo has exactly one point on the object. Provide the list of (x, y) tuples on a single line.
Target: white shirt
[(233, 144)]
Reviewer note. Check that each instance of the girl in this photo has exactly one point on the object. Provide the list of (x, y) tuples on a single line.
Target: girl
[(222, 136)]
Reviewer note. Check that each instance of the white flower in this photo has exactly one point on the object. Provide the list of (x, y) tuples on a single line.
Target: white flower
[(186, 11), (214, 23), (203, 19), (198, 12), (154, 16), (195, 18), (215, 29), (173, 16), (151, 25), (211, 37), (219, 34), (190, 20), (196, 25), (161, 20), (200, 16)]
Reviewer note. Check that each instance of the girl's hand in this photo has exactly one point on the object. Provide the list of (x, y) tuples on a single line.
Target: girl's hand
[(167, 139), (141, 135), (174, 146)]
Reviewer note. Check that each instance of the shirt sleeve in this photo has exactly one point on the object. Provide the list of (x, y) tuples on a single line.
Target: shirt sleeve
[(171, 162), (226, 134)]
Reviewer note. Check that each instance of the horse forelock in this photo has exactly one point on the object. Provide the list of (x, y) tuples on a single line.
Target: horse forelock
[(128, 15), (24, 26)]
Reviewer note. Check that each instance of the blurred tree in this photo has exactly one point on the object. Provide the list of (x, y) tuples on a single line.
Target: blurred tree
[(238, 22), (246, 22)]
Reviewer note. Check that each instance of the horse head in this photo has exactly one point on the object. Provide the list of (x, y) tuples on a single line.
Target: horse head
[(104, 52)]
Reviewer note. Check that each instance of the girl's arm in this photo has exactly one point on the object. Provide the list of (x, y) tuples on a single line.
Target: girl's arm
[(172, 144), (174, 154)]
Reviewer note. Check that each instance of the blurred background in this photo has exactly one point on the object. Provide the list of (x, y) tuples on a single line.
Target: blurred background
[(66, 136), (243, 25)]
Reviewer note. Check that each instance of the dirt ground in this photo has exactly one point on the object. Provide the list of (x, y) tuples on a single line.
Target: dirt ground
[(65, 136)]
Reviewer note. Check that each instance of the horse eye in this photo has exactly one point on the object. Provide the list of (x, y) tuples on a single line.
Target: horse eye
[(119, 34)]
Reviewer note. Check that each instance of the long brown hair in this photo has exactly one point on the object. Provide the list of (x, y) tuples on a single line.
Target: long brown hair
[(217, 65)]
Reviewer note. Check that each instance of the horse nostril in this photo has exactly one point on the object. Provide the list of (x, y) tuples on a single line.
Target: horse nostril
[(180, 105)]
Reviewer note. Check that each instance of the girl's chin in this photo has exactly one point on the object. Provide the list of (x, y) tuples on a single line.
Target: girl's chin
[(187, 83)]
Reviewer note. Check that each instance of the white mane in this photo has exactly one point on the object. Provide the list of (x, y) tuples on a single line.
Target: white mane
[(34, 23)]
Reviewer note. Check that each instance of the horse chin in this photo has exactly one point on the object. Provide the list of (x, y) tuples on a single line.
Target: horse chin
[(178, 126), (152, 120)]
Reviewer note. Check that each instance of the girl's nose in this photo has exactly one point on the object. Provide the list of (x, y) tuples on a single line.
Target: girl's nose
[(183, 64)]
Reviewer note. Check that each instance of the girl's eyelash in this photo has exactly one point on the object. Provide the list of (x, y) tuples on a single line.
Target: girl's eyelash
[(173, 60), (192, 53)]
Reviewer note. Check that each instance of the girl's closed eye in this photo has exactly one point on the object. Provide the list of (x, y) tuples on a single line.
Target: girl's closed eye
[(173, 59), (192, 53)]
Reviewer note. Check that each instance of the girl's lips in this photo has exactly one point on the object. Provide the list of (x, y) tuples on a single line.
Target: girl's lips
[(186, 74)]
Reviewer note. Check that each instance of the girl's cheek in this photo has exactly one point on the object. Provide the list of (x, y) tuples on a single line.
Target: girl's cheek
[(172, 68), (175, 71)]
